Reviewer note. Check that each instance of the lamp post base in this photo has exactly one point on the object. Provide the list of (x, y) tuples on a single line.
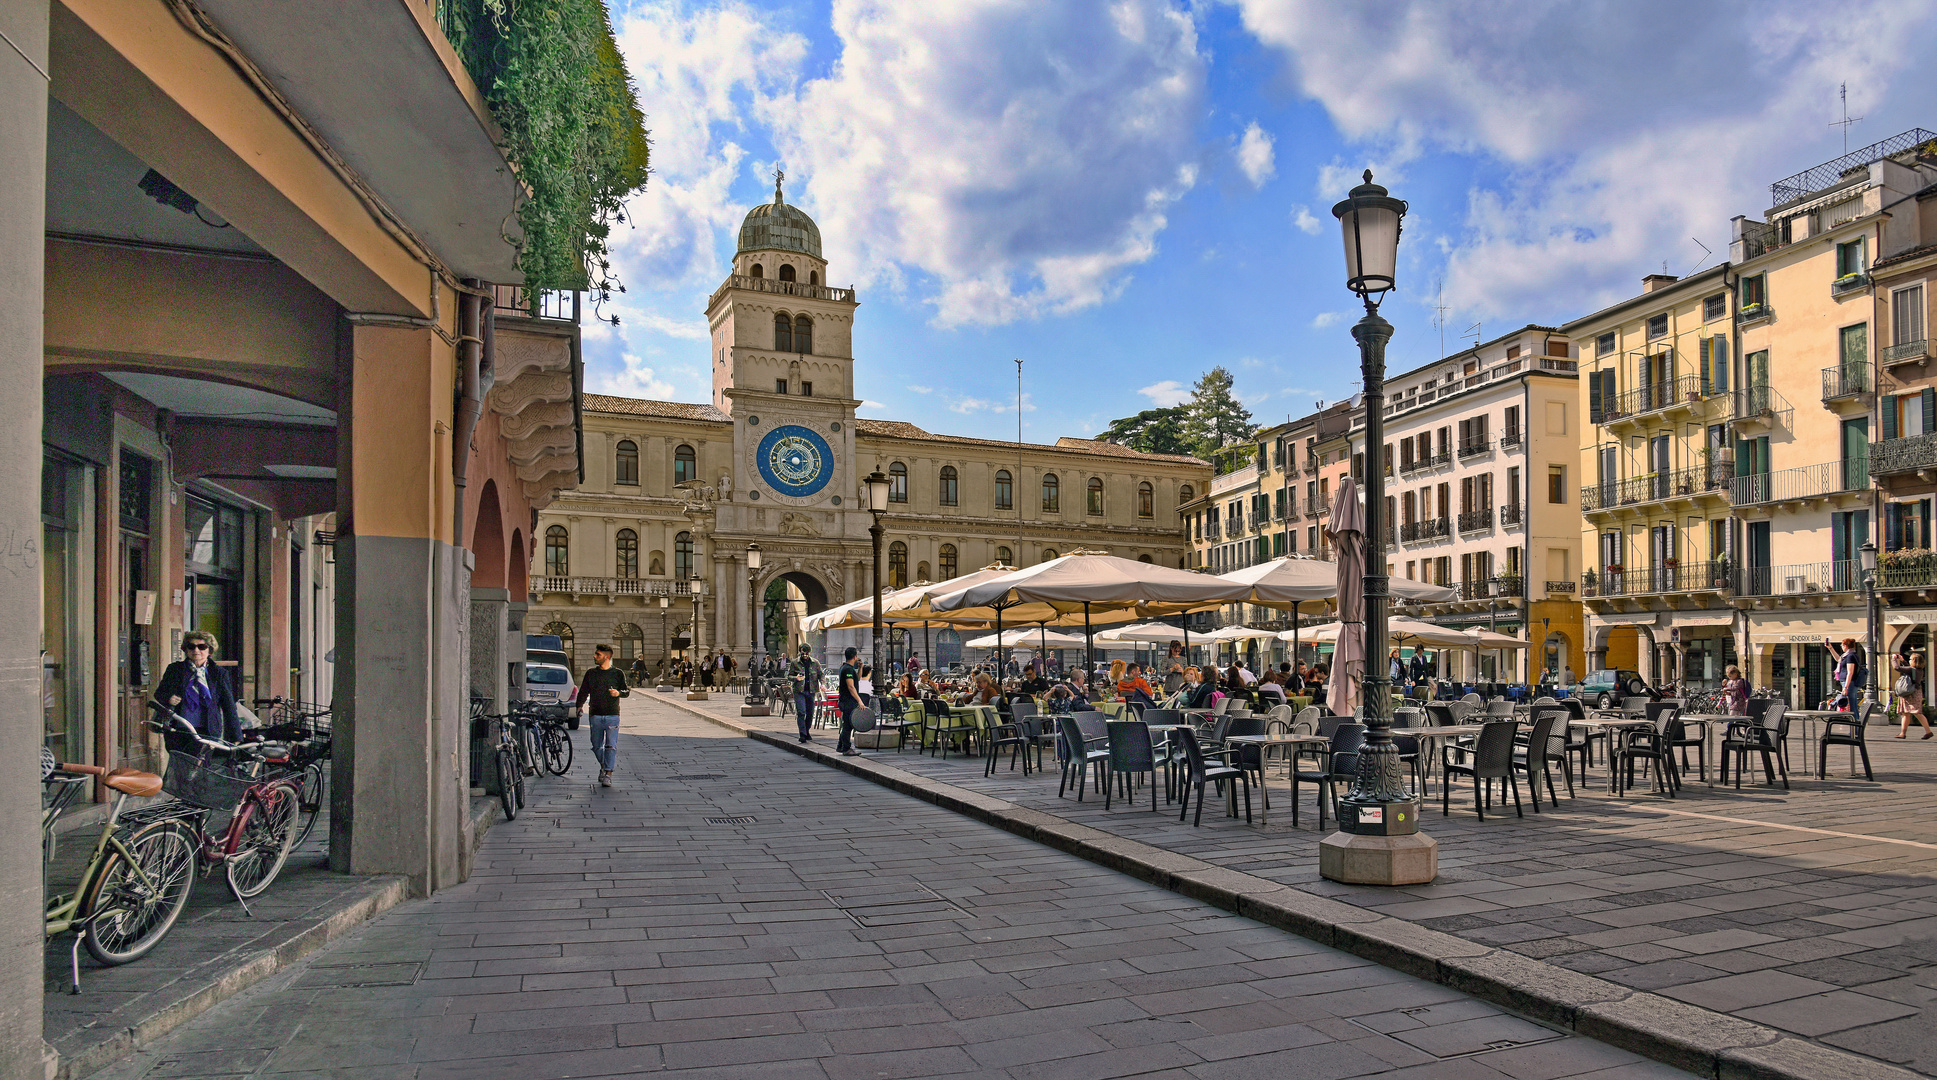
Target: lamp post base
[(755, 710), (1378, 860)]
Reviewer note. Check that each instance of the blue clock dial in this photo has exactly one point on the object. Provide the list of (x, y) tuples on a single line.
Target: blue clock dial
[(795, 460)]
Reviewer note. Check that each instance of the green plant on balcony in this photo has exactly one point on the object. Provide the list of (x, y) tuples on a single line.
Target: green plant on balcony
[(1849, 281), (1906, 567), (1754, 311), (1509, 584), (558, 89)]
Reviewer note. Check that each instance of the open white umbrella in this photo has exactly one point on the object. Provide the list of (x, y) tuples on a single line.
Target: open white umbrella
[(1239, 633), (1487, 639), (1026, 637), (1309, 586), (1401, 630), (1156, 632)]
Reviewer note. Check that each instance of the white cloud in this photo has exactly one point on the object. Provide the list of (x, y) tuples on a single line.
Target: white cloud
[(873, 405), (1020, 159), (1302, 217), (966, 405), (922, 389), (1167, 393), (1327, 318), (1613, 143), (636, 381), (1255, 155)]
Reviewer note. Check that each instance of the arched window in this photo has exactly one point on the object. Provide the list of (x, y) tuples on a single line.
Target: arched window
[(1146, 500), (1004, 556), (626, 471), (628, 554), (786, 272), (631, 640), (1094, 498), (1144, 558), (813, 277), (949, 491), (1052, 494), (803, 334), (1185, 494), (1005, 492), (1048, 554), (558, 552), (685, 464), (758, 272), (898, 565), (683, 557), (950, 562), (563, 632), (783, 333), (897, 483)]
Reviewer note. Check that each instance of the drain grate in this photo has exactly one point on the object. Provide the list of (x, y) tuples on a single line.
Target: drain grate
[(700, 776), (729, 821), (892, 905)]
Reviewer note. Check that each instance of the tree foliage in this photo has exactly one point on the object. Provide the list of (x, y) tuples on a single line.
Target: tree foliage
[(558, 89), (1152, 431), (1213, 417)]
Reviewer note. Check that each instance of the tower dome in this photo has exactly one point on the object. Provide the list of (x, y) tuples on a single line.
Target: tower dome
[(777, 226)]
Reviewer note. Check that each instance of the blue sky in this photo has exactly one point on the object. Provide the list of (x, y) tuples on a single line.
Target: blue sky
[(1126, 193)]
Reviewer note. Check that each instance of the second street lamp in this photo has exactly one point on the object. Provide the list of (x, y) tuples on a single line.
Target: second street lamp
[(877, 485), (1378, 842), (1867, 553), (756, 699)]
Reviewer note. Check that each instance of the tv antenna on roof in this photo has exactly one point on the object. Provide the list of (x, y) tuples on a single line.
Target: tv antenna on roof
[(1706, 254), (1475, 331), (1843, 91), (1439, 314)]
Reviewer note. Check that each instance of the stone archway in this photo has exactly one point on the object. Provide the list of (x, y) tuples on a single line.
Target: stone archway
[(786, 598), (487, 542)]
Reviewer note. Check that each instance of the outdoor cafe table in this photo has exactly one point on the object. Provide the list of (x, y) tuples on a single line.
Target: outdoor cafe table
[(1262, 741), (1716, 724), (1428, 737), (1815, 719), (1614, 723)]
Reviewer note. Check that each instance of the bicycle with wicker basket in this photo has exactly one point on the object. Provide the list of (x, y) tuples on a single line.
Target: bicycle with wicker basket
[(251, 783), (306, 730)]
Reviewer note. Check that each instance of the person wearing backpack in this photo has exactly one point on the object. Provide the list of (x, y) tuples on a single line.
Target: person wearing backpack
[(1910, 693)]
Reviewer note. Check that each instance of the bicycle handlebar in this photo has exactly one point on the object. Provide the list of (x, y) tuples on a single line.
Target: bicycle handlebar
[(179, 724)]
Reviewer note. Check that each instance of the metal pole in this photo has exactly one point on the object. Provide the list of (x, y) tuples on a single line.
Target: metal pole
[(875, 532), (1380, 782)]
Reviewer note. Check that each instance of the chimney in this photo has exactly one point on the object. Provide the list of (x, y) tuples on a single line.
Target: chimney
[(1657, 281)]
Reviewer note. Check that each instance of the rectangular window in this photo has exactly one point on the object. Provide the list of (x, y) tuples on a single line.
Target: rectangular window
[(806, 389), (1557, 484), (1279, 502), (1604, 345), (1755, 292), (1907, 315), (1850, 258), (1657, 327), (1513, 486), (1412, 570), (1311, 538), (1445, 499), (780, 387), (1715, 307), (1511, 428)]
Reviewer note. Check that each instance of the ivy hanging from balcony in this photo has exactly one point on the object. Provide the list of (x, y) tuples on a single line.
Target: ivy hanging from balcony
[(558, 89)]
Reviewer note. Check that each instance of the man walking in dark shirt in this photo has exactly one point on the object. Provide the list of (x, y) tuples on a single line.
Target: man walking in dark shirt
[(601, 689), (850, 700), (805, 675)]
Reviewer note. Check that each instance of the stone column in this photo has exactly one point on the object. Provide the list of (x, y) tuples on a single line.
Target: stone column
[(23, 158), (399, 801)]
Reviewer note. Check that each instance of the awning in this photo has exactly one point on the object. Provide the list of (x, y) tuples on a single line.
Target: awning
[(1803, 629), (1703, 620), (1628, 618)]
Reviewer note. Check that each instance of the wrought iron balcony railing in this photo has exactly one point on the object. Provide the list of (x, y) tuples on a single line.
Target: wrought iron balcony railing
[(1801, 579), (1650, 397), (1510, 438), (1475, 520), (1318, 508), (1560, 587), (1808, 482), (1480, 588), (1763, 404), (1430, 529), (1906, 570), (1654, 580), (1905, 352), (1713, 478), (1844, 382), (1475, 446), (1909, 454), (1510, 514)]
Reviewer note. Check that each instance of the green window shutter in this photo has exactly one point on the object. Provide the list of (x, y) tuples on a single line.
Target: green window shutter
[(1703, 348), (1718, 350), (1595, 414), (1889, 411), (1930, 405)]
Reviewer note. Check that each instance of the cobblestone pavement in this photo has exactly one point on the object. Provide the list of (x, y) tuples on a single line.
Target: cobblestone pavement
[(731, 910), (1813, 910)]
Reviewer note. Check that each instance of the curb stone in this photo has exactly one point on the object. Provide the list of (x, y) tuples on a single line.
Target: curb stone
[(1698, 1040)]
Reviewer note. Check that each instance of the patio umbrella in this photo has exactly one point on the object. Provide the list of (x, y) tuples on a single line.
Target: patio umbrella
[(1400, 630), (1308, 585), (1347, 531), (1487, 639), (1092, 583), (1040, 636)]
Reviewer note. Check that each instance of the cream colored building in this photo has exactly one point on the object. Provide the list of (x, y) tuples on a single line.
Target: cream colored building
[(675, 493)]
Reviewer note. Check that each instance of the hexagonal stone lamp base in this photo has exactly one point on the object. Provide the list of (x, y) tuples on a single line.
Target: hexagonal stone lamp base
[(1378, 860)]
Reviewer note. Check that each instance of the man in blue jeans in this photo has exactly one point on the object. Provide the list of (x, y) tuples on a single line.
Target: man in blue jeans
[(805, 675), (601, 689), (850, 700)]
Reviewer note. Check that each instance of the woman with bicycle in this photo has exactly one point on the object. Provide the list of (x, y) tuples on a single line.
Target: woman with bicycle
[(194, 687)]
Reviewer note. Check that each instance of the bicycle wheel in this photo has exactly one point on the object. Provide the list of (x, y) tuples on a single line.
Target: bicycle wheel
[(558, 751), (315, 797), (129, 911), (507, 787), (264, 836)]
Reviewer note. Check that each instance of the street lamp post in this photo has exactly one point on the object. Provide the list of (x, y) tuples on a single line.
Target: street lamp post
[(1379, 841), (692, 643), (1493, 614), (1867, 553), (877, 485), (756, 699), (665, 604)]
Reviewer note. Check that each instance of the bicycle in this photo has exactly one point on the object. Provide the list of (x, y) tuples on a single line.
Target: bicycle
[(139, 875), (553, 724), (307, 731), (249, 781), (514, 757)]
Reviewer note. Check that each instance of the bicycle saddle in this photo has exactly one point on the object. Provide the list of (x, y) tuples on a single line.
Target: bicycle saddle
[(130, 782)]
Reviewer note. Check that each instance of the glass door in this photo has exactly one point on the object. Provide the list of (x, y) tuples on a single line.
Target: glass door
[(1856, 454)]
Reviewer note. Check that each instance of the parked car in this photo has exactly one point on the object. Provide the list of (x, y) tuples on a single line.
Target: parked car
[(549, 656), (545, 641), (549, 683), (1606, 687)]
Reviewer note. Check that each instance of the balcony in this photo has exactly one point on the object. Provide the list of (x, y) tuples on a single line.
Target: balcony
[(1847, 388), (1510, 438), (1711, 479), (1760, 409), (1317, 508), (1311, 467), (1801, 579), (1476, 520), (1431, 529), (516, 302), (612, 587), (1916, 569), (1510, 515), (1564, 588), (1849, 283), (781, 288), (1475, 446), (1480, 589), (1668, 394), (1892, 457), (1800, 485), (1905, 352), (1655, 581)]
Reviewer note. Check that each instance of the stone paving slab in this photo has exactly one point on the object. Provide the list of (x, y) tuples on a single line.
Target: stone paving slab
[(843, 931), (1671, 897)]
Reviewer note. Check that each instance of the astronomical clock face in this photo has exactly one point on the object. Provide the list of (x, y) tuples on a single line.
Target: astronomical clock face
[(795, 461)]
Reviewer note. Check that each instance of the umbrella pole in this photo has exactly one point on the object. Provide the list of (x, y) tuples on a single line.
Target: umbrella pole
[(1000, 657), (927, 649), (1089, 648)]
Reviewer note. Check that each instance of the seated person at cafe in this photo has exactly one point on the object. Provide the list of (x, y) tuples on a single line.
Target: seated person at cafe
[(1199, 689), (1315, 682), (1032, 683), (1132, 687), (1271, 687)]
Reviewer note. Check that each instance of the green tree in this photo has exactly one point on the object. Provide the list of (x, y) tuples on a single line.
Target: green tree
[(1213, 417), (1152, 431)]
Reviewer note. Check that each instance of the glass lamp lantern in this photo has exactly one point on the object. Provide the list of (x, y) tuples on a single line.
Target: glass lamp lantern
[(877, 485), (1369, 220)]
